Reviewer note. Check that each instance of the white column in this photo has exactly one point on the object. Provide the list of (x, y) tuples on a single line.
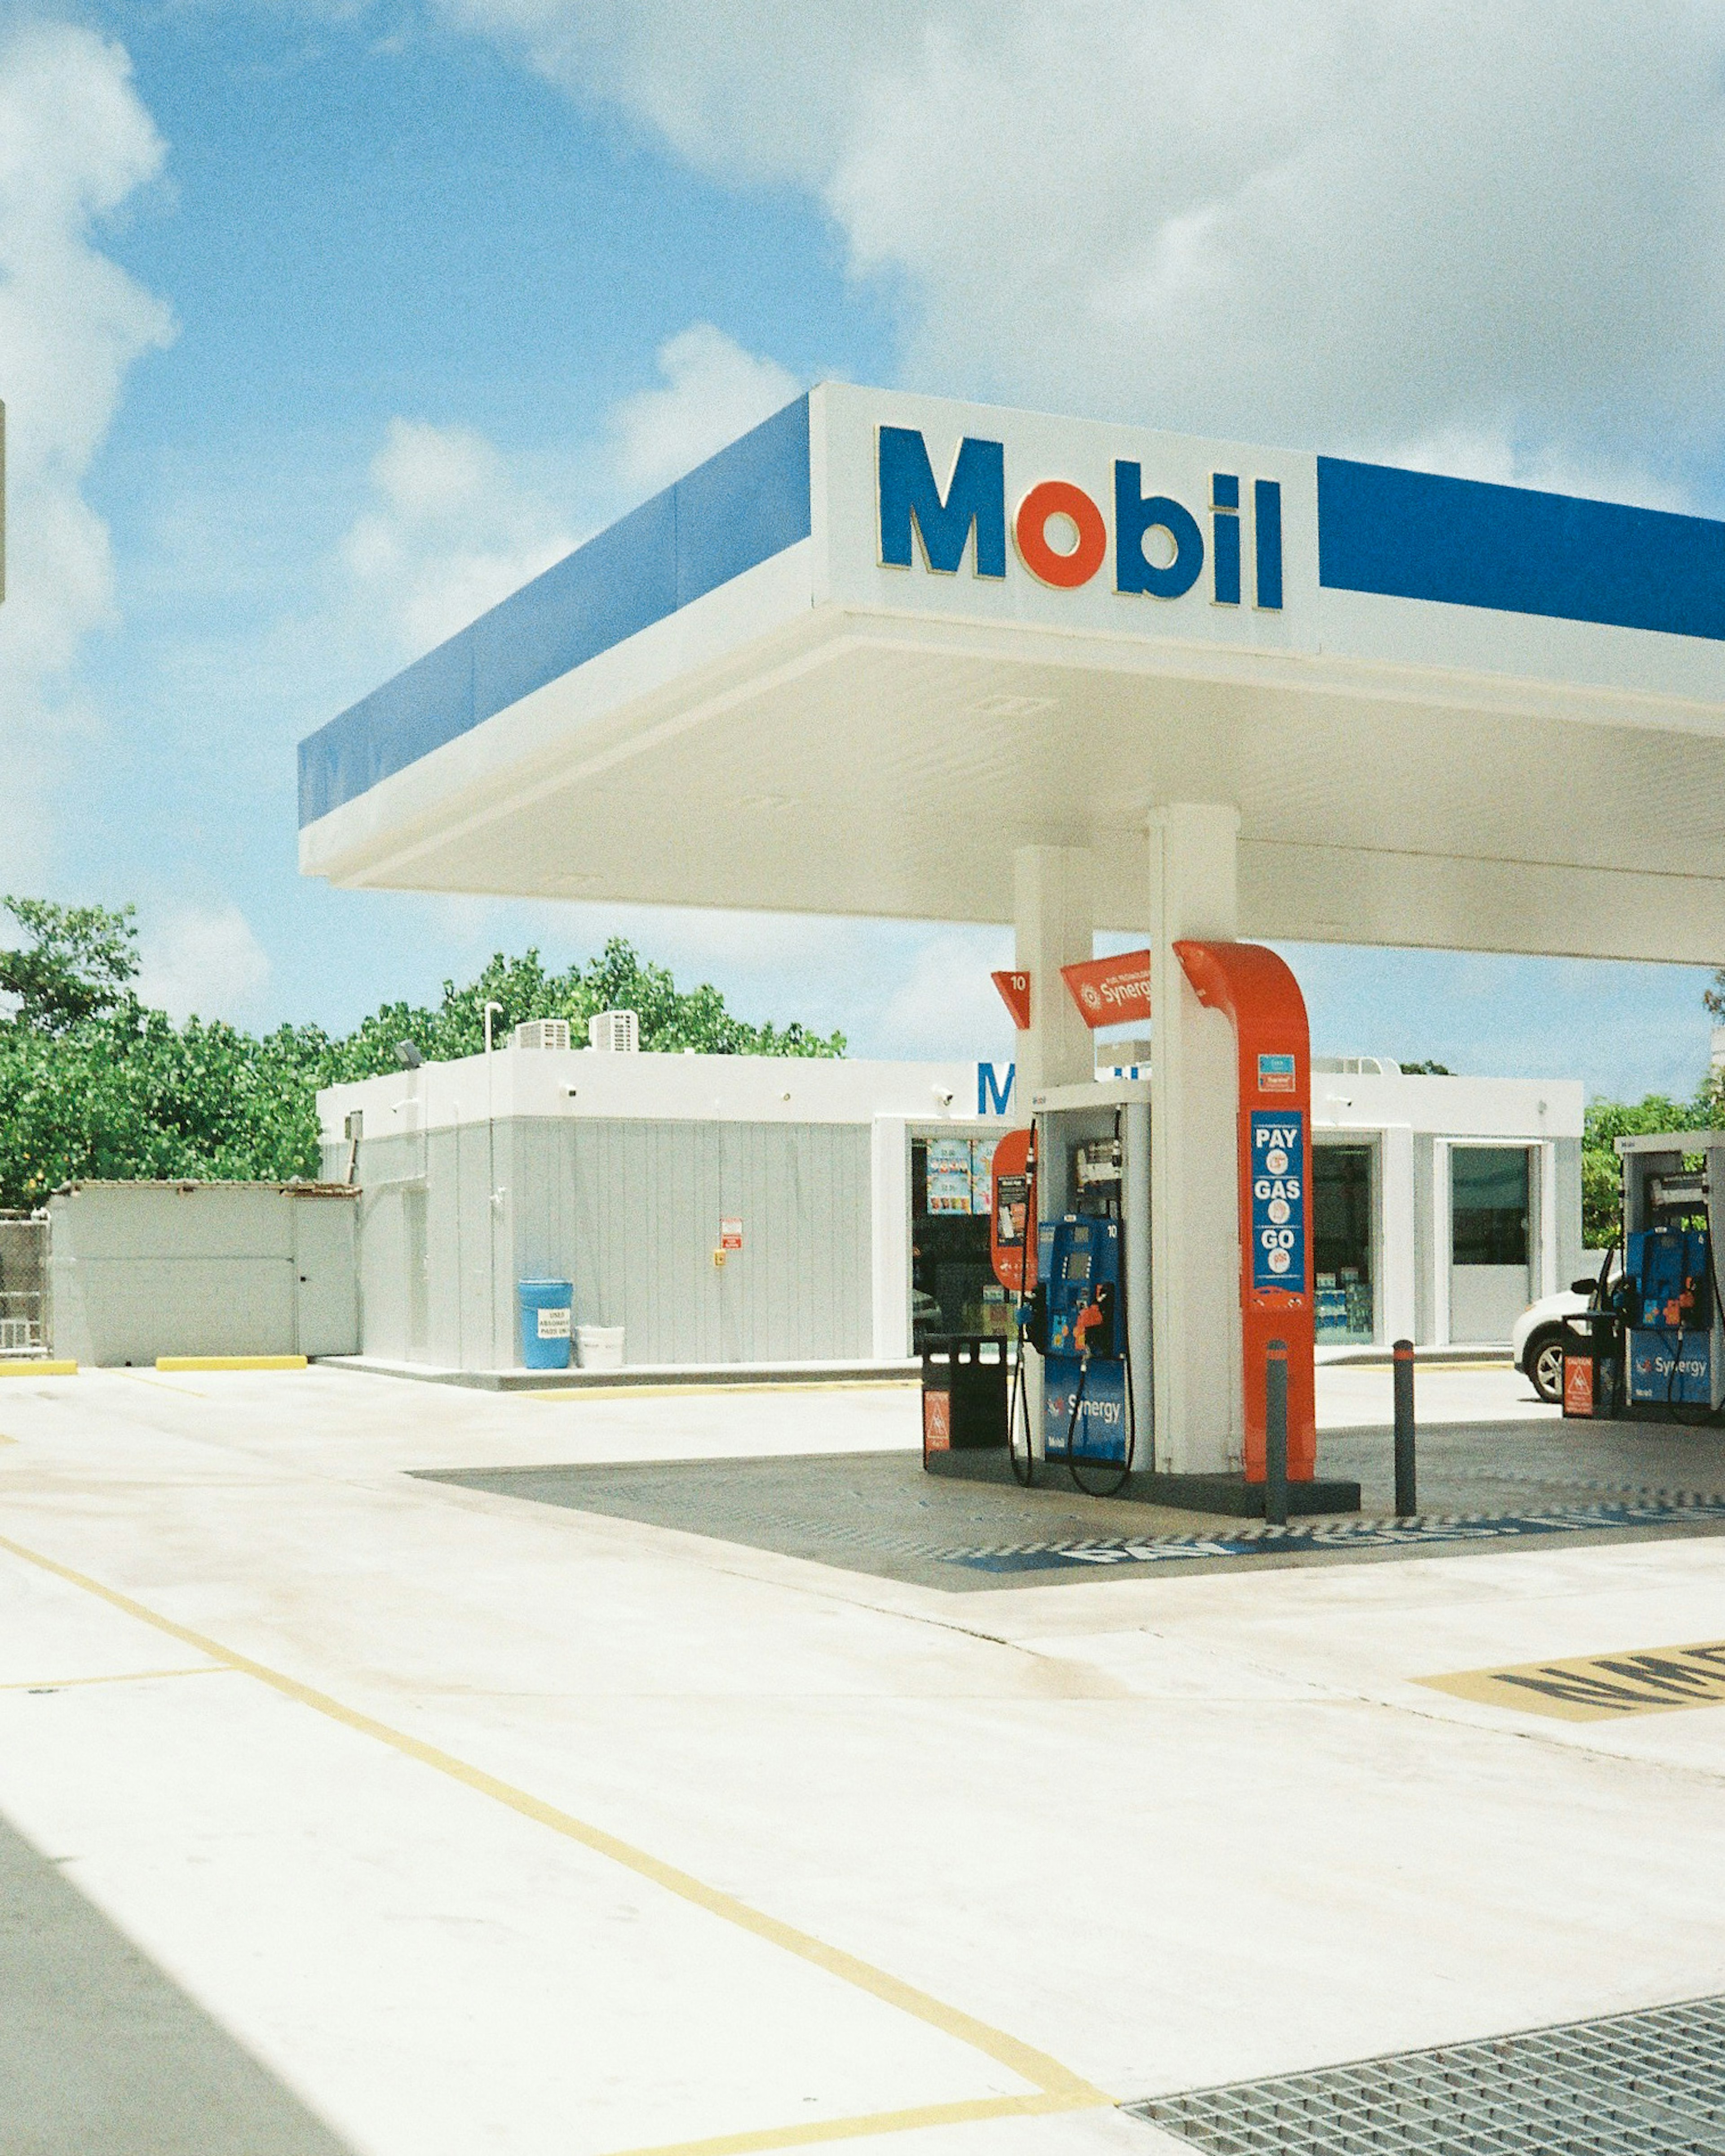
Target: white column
[(1054, 927), (889, 1188), (1396, 1233), (1195, 1170), (1545, 1178), (1054, 922), (1442, 1242)]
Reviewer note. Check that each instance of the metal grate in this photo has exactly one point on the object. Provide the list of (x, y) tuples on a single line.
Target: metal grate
[(1652, 2082)]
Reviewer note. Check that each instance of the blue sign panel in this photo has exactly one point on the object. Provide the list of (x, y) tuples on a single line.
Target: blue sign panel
[(1100, 1432), (1279, 1200), (1653, 1377)]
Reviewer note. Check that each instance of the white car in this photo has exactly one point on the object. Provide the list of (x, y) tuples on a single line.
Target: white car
[(1536, 1343)]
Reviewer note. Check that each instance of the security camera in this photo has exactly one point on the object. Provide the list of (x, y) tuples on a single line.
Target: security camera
[(408, 1054), (943, 1096)]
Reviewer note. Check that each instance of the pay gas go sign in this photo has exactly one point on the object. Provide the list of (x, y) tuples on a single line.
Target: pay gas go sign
[(1279, 1200)]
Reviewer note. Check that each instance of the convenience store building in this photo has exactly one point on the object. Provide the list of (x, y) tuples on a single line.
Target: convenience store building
[(745, 1209)]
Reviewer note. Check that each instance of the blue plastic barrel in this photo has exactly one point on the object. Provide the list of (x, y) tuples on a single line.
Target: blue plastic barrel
[(545, 1307)]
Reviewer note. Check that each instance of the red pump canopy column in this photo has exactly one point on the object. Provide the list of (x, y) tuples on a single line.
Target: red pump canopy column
[(1272, 1040)]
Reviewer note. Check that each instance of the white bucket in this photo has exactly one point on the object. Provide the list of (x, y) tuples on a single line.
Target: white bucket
[(599, 1347)]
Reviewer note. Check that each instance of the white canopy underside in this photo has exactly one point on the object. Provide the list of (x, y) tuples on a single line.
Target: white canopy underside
[(853, 764)]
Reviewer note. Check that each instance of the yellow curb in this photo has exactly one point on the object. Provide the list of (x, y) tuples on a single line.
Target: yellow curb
[(11, 1369), (230, 1363)]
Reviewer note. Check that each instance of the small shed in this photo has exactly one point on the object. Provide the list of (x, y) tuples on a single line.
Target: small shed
[(139, 1270)]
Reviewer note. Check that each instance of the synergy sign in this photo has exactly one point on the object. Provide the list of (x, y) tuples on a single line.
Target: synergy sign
[(1061, 534)]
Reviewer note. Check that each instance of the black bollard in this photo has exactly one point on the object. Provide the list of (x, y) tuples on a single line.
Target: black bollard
[(1407, 1502), (1276, 1434)]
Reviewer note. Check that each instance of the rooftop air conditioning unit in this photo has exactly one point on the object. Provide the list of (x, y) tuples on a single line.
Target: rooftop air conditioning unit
[(618, 1031), (543, 1033)]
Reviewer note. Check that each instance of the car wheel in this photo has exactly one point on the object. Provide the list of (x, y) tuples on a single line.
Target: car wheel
[(1542, 1360)]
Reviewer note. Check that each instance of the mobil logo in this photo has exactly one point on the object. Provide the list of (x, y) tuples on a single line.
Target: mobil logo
[(1062, 535)]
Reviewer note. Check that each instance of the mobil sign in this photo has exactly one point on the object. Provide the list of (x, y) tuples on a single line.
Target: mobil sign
[(1138, 536)]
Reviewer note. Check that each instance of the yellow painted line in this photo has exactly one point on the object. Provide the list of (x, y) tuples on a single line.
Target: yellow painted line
[(230, 1363), (867, 2125), (9, 1369), (1046, 2076), (156, 1385), (1600, 1687), (123, 1676)]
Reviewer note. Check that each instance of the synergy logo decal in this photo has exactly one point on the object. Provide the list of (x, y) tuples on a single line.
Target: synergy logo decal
[(972, 513)]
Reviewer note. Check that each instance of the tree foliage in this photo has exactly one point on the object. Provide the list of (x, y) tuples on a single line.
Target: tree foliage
[(95, 1085), (78, 962), (1601, 1184)]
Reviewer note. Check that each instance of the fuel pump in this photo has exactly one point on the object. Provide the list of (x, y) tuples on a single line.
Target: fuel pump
[(1077, 1187), (1667, 1298), (1650, 1346)]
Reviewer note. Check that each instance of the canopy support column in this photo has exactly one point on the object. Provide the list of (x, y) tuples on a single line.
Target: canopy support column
[(1193, 1150), (1055, 916), (1054, 911)]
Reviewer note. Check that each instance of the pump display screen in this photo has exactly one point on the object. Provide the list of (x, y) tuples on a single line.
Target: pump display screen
[(1078, 1265)]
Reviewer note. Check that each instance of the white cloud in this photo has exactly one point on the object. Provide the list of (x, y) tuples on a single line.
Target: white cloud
[(202, 959), (452, 532), (76, 144), (713, 391), (1335, 225)]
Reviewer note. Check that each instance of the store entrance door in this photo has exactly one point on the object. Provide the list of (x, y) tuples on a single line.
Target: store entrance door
[(1342, 1244), (953, 1289), (1490, 1211)]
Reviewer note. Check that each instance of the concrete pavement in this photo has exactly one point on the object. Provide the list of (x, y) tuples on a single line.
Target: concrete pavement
[(479, 1825)]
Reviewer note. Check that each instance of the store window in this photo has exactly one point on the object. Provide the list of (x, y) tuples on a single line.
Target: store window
[(1342, 1242), (1489, 1205), (952, 1284)]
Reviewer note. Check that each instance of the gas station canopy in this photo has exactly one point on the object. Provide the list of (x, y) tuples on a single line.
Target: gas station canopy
[(855, 661)]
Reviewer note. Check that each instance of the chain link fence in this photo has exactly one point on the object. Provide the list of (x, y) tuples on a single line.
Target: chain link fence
[(26, 1319)]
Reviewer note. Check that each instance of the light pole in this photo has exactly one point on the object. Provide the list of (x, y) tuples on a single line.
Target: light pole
[(491, 1194)]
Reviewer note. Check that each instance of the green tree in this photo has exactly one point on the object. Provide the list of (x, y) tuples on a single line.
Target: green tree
[(78, 962), (1601, 1181)]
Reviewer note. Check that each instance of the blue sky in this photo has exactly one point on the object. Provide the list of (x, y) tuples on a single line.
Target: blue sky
[(323, 326)]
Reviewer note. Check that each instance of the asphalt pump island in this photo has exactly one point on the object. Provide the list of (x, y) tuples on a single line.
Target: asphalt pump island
[(894, 656)]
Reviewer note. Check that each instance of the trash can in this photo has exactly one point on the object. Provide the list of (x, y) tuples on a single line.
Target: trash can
[(963, 1393), (1593, 1363), (599, 1347), (545, 1307)]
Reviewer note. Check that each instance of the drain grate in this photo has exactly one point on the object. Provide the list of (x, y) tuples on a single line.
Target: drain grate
[(1652, 2082)]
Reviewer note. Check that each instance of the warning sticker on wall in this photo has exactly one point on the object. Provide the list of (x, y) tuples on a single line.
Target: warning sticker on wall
[(731, 1235)]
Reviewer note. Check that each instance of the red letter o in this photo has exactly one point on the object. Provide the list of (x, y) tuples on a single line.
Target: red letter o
[(1059, 497)]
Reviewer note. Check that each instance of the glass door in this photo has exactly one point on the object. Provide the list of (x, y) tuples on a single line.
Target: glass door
[(1341, 1237), (1490, 1216)]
